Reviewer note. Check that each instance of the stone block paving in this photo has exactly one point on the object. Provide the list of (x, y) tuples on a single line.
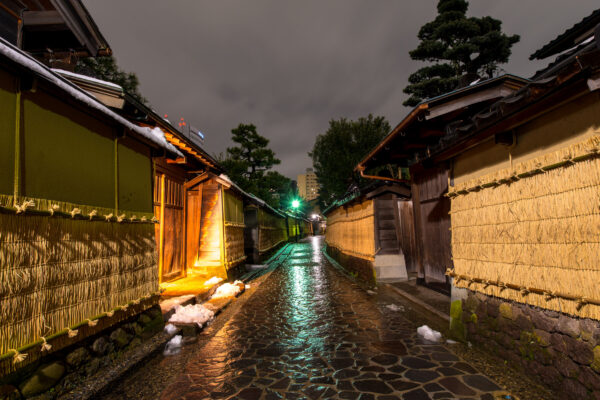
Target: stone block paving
[(309, 333)]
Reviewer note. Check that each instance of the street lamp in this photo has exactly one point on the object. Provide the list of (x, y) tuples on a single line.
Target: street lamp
[(295, 204)]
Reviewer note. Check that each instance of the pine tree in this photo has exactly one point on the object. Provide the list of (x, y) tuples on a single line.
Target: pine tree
[(459, 47), (249, 165)]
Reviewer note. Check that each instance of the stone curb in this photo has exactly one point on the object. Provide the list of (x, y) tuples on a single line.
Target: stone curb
[(100, 382), (418, 301)]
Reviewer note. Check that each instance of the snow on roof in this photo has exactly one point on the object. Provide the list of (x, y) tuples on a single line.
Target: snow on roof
[(87, 78), (26, 61)]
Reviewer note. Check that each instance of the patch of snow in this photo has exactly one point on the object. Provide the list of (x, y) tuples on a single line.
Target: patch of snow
[(173, 346), (227, 290), (429, 334), (192, 314), (213, 281), (394, 307), (86, 78), (450, 341), (25, 60), (170, 329), (371, 292), (255, 267)]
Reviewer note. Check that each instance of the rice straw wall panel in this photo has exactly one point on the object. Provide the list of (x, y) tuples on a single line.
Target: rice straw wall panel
[(56, 272), (271, 231), (233, 208), (534, 226), (351, 230)]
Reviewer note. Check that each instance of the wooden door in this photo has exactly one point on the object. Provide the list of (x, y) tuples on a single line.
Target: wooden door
[(169, 189), (433, 233)]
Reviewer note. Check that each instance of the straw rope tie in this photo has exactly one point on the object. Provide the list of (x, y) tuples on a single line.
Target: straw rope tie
[(144, 219), (74, 212), (549, 295), (110, 313), (581, 302), (108, 217), (72, 332), (133, 218), (18, 357), (93, 214), (120, 218), (154, 219), (524, 291), (92, 322), (53, 208), (45, 346), (24, 206)]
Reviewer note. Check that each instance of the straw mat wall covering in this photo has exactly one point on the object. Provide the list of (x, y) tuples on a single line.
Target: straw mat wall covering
[(271, 231), (532, 234), (57, 272), (234, 229), (234, 245), (351, 230)]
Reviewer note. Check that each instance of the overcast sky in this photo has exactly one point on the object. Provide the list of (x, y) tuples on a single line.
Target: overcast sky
[(291, 66)]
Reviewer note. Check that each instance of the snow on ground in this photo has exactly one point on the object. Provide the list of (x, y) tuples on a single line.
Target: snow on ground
[(227, 290), (173, 346), (213, 281), (255, 267), (192, 314), (429, 334), (394, 307), (170, 329)]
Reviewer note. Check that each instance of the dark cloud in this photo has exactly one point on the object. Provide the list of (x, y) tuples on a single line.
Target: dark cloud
[(290, 67)]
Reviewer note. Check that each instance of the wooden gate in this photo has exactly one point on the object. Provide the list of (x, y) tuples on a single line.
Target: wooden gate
[(168, 207), (432, 224)]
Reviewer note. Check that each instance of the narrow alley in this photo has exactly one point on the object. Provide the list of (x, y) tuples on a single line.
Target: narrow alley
[(308, 332)]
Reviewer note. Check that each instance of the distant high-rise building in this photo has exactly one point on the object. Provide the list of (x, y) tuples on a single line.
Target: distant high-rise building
[(308, 186)]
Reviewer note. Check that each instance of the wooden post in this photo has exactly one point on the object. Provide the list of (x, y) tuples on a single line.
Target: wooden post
[(161, 241), (17, 173), (221, 193)]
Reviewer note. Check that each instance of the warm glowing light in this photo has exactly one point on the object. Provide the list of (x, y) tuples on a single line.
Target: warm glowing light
[(314, 216)]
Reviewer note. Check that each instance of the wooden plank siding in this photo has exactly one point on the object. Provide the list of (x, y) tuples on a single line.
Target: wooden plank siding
[(432, 223), (385, 225)]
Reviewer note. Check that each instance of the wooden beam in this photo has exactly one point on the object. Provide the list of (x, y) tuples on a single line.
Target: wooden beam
[(40, 18), (179, 160), (433, 133), (409, 146)]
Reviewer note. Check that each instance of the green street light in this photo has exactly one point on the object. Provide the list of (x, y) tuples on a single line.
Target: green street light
[(295, 204)]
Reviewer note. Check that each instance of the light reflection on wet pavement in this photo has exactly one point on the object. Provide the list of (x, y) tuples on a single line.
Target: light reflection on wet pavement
[(309, 332)]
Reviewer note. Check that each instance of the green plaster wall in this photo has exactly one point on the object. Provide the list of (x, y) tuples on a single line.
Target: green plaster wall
[(135, 177), (68, 155), (7, 131)]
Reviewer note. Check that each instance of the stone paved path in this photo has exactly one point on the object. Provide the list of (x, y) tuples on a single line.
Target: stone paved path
[(308, 333)]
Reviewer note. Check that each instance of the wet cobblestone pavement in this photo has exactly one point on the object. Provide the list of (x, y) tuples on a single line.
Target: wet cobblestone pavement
[(308, 333)]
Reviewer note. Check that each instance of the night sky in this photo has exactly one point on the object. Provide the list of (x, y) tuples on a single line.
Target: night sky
[(291, 66)]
